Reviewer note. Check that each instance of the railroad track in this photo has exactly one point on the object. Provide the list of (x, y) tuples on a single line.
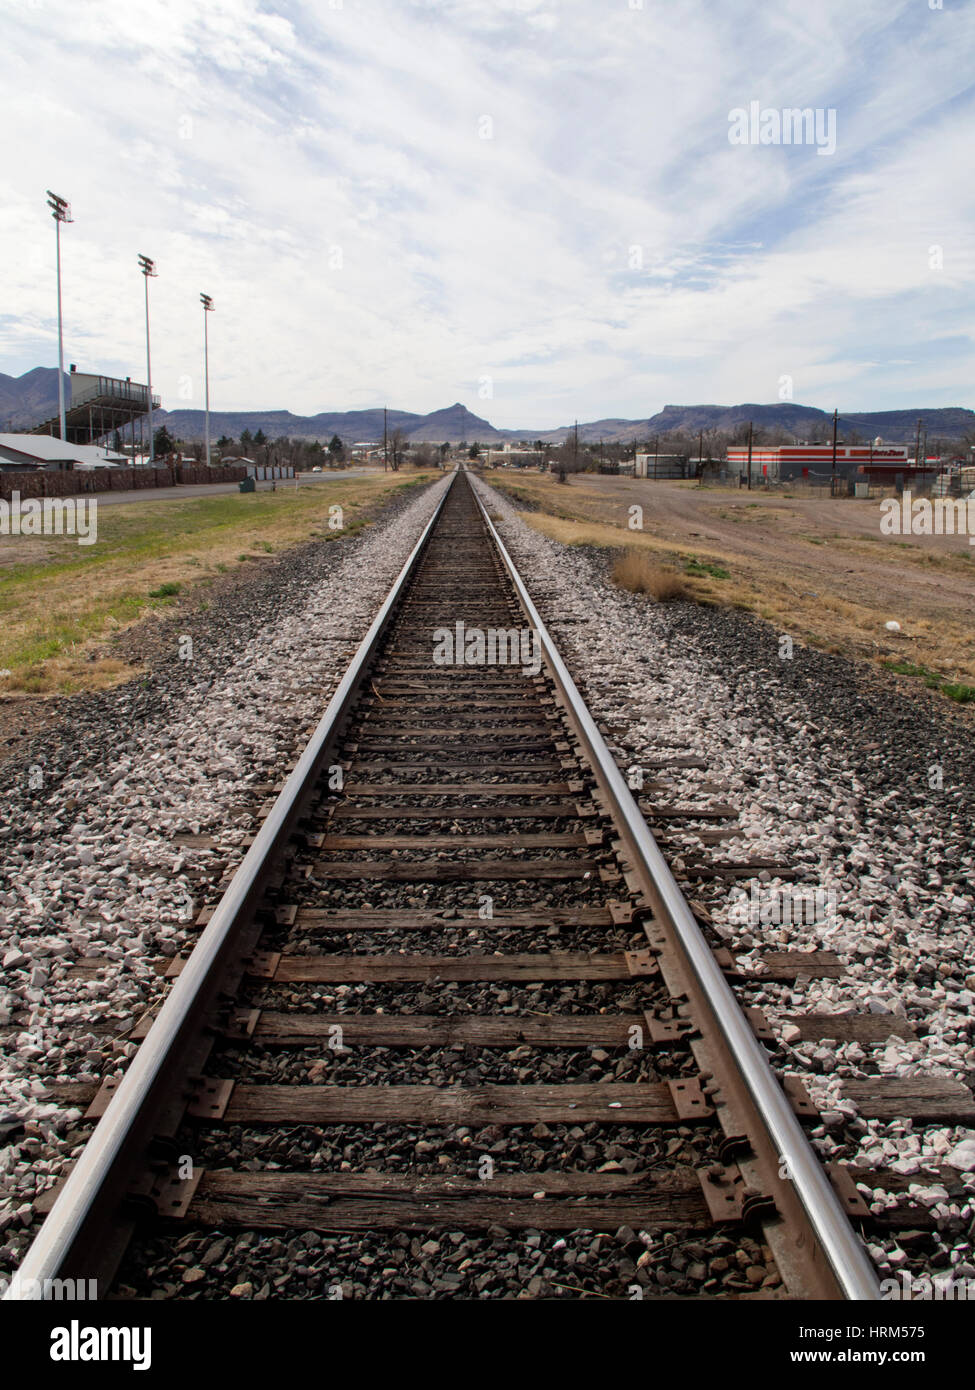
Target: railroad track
[(453, 1018)]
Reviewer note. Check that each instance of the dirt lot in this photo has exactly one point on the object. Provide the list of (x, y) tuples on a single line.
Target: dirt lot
[(817, 567)]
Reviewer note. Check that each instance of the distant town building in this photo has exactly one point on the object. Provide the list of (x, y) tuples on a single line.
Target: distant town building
[(508, 454), (783, 462), (662, 466), (30, 452)]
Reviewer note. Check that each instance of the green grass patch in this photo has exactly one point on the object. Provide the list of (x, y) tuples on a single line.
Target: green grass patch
[(954, 690), (961, 694), (702, 569)]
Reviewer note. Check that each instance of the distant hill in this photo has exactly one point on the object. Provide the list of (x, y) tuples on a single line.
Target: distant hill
[(803, 421), (454, 423), (350, 425), (894, 426), (29, 399)]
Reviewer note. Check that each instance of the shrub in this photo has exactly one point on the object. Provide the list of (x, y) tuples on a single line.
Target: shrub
[(636, 571)]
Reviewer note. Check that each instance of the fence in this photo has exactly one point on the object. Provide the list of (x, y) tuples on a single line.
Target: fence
[(72, 484), (265, 472)]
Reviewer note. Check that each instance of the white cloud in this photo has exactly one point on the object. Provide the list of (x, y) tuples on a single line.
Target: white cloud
[(249, 151)]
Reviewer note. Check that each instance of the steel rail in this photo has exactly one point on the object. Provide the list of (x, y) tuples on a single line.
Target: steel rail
[(848, 1260), (93, 1171)]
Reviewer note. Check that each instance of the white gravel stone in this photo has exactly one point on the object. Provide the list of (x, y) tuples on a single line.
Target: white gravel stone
[(894, 880), (107, 877)]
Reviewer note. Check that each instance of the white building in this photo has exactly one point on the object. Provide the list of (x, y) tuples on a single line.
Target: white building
[(30, 452)]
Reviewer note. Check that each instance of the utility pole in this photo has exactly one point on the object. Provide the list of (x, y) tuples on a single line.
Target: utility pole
[(61, 212), (749, 456), (148, 267), (917, 445), (207, 303), (575, 447), (832, 486), (385, 443), (700, 454)]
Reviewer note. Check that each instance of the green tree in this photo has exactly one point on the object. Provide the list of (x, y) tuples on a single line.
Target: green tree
[(260, 437), (336, 449), (224, 442), (163, 442), (474, 451)]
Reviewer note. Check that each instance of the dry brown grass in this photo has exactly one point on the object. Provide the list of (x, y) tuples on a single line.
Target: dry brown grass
[(830, 589), (636, 571), (59, 602)]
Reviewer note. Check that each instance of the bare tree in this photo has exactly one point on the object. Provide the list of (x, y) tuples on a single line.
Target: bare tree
[(397, 448)]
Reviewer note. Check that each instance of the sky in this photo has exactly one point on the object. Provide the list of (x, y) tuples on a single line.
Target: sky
[(539, 208)]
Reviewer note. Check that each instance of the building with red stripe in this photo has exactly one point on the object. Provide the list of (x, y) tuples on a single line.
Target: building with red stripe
[(783, 462)]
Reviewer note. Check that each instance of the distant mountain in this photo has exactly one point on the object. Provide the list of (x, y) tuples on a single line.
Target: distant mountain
[(32, 398), (27, 400), (456, 423), (894, 426), (350, 425)]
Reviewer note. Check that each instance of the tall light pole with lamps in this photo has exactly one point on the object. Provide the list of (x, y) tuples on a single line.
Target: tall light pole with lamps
[(207, 303), (148, 267), (61, 212)]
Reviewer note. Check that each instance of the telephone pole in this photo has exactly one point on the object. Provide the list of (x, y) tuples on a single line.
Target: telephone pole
[(385, 444), (749, 456), (832, 486)]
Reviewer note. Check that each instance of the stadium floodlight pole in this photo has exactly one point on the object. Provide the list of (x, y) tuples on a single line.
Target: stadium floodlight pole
[(61, 212), (207, 303), (148, 267)]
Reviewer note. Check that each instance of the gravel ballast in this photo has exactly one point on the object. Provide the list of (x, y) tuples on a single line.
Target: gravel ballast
[(100, 814), (865, 792), (121, 820)]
